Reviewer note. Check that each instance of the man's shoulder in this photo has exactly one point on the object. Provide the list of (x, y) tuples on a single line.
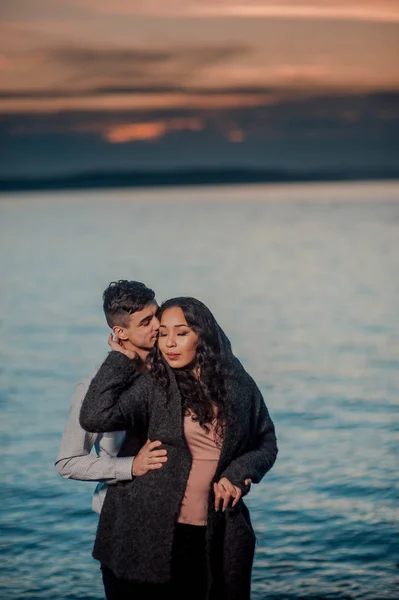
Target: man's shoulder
[(81, 388)]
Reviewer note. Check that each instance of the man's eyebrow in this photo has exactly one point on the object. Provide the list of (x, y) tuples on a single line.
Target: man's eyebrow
[(146, 318)]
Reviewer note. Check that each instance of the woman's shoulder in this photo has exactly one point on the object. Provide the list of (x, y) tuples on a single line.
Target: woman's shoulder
[(237, 376)]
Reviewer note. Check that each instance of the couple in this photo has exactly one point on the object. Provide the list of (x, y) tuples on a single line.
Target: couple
[(200, 433)]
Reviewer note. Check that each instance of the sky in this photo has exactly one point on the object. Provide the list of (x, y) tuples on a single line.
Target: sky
[(89, 85)]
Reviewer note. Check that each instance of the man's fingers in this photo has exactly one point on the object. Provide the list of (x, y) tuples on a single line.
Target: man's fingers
[(156, 453), (152, 445), (156, 459)]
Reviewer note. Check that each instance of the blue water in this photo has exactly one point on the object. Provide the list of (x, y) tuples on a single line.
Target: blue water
[(305, 281)]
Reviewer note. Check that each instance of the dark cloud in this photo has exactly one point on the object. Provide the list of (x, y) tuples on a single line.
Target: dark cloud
[(132, 90), (312, 132), (120, 71), (301, 112)]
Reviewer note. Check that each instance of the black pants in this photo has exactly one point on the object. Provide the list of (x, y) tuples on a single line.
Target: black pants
[(189, 570)]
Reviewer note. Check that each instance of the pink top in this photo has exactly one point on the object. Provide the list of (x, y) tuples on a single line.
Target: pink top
[(205, 454)]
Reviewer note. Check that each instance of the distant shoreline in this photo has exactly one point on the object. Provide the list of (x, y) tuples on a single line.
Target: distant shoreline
[(189, 177)]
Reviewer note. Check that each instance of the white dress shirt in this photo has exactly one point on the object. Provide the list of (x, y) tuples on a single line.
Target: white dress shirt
[(75, 458)]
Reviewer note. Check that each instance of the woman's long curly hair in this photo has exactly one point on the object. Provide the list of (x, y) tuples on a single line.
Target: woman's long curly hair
[(202, 384)]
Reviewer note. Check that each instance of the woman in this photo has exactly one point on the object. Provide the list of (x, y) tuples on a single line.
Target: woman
[(184, 525)]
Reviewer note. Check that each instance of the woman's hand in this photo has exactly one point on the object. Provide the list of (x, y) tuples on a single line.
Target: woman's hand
[(117, 345), (148, 458), (225, 491)]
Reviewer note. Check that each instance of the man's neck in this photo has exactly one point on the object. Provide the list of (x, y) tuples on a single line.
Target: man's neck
[(141, 353)]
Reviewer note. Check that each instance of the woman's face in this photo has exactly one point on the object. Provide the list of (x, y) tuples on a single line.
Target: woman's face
[(176, 340)]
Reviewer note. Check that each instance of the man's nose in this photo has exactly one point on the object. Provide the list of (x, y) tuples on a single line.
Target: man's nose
[(155, 323)]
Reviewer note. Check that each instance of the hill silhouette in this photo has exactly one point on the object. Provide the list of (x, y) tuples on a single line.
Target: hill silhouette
[(190, 177)]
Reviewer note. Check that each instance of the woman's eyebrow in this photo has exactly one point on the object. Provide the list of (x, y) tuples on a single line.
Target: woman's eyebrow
[(181, 325)]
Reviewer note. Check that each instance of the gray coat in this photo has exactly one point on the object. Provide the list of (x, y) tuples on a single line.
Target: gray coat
[(136, 527)]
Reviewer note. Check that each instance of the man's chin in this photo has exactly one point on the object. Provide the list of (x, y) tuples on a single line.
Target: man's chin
[(150, 345)]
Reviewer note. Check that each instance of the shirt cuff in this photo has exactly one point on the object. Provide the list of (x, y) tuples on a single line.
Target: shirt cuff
[(123, 468)]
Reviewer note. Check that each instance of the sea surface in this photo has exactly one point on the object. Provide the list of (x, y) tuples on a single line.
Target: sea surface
[(305, 281)]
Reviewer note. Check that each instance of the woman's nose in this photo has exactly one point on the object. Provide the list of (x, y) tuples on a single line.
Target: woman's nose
[(170, 341)]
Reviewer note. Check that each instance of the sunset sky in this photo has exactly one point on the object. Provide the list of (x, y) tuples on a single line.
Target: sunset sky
[(126, 84)]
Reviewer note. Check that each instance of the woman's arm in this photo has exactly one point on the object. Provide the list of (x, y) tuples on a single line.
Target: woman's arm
[(116, 398), (255, 463)]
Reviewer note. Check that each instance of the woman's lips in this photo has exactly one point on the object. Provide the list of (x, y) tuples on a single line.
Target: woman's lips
[(172, 356)]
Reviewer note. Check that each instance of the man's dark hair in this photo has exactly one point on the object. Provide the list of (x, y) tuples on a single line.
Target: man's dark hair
[(123, 298)]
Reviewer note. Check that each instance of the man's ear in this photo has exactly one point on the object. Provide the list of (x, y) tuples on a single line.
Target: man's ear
[(120, 332)]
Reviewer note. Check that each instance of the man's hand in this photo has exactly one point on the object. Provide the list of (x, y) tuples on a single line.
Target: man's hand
[(117, 345), (225, 491), (148, 458)]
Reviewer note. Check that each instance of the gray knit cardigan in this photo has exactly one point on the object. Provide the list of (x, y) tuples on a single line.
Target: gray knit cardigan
[(136, 527)]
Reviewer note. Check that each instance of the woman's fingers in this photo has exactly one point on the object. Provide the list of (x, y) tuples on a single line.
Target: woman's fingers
[(218, 496), (225, 492), (237, 496)]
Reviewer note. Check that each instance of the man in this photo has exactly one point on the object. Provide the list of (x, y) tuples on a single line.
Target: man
[(130, 310)]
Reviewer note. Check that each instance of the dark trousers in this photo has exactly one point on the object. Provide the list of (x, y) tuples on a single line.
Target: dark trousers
[(189, 569)]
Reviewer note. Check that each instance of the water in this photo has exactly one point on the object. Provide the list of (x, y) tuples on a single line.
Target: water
[(304, 279)]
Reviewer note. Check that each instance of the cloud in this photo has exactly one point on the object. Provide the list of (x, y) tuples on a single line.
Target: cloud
[(150, 124), (84, 70), (272, 84), (54, 74), (148, 130), (365, 10), (312, 132), (352, 10)]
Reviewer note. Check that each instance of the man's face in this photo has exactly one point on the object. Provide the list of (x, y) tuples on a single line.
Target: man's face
[(142, 330)]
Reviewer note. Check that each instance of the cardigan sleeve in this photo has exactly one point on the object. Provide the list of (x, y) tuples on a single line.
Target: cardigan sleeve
[(116, 398), (260, 457)]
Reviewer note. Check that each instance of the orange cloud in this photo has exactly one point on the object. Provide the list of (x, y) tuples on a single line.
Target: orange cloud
[(365, 10), (236, 136), (136, 102), (357, 10), (151, 130), (136, 131)]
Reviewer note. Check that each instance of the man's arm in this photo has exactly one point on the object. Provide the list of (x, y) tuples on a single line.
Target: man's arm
[(75, 460)]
